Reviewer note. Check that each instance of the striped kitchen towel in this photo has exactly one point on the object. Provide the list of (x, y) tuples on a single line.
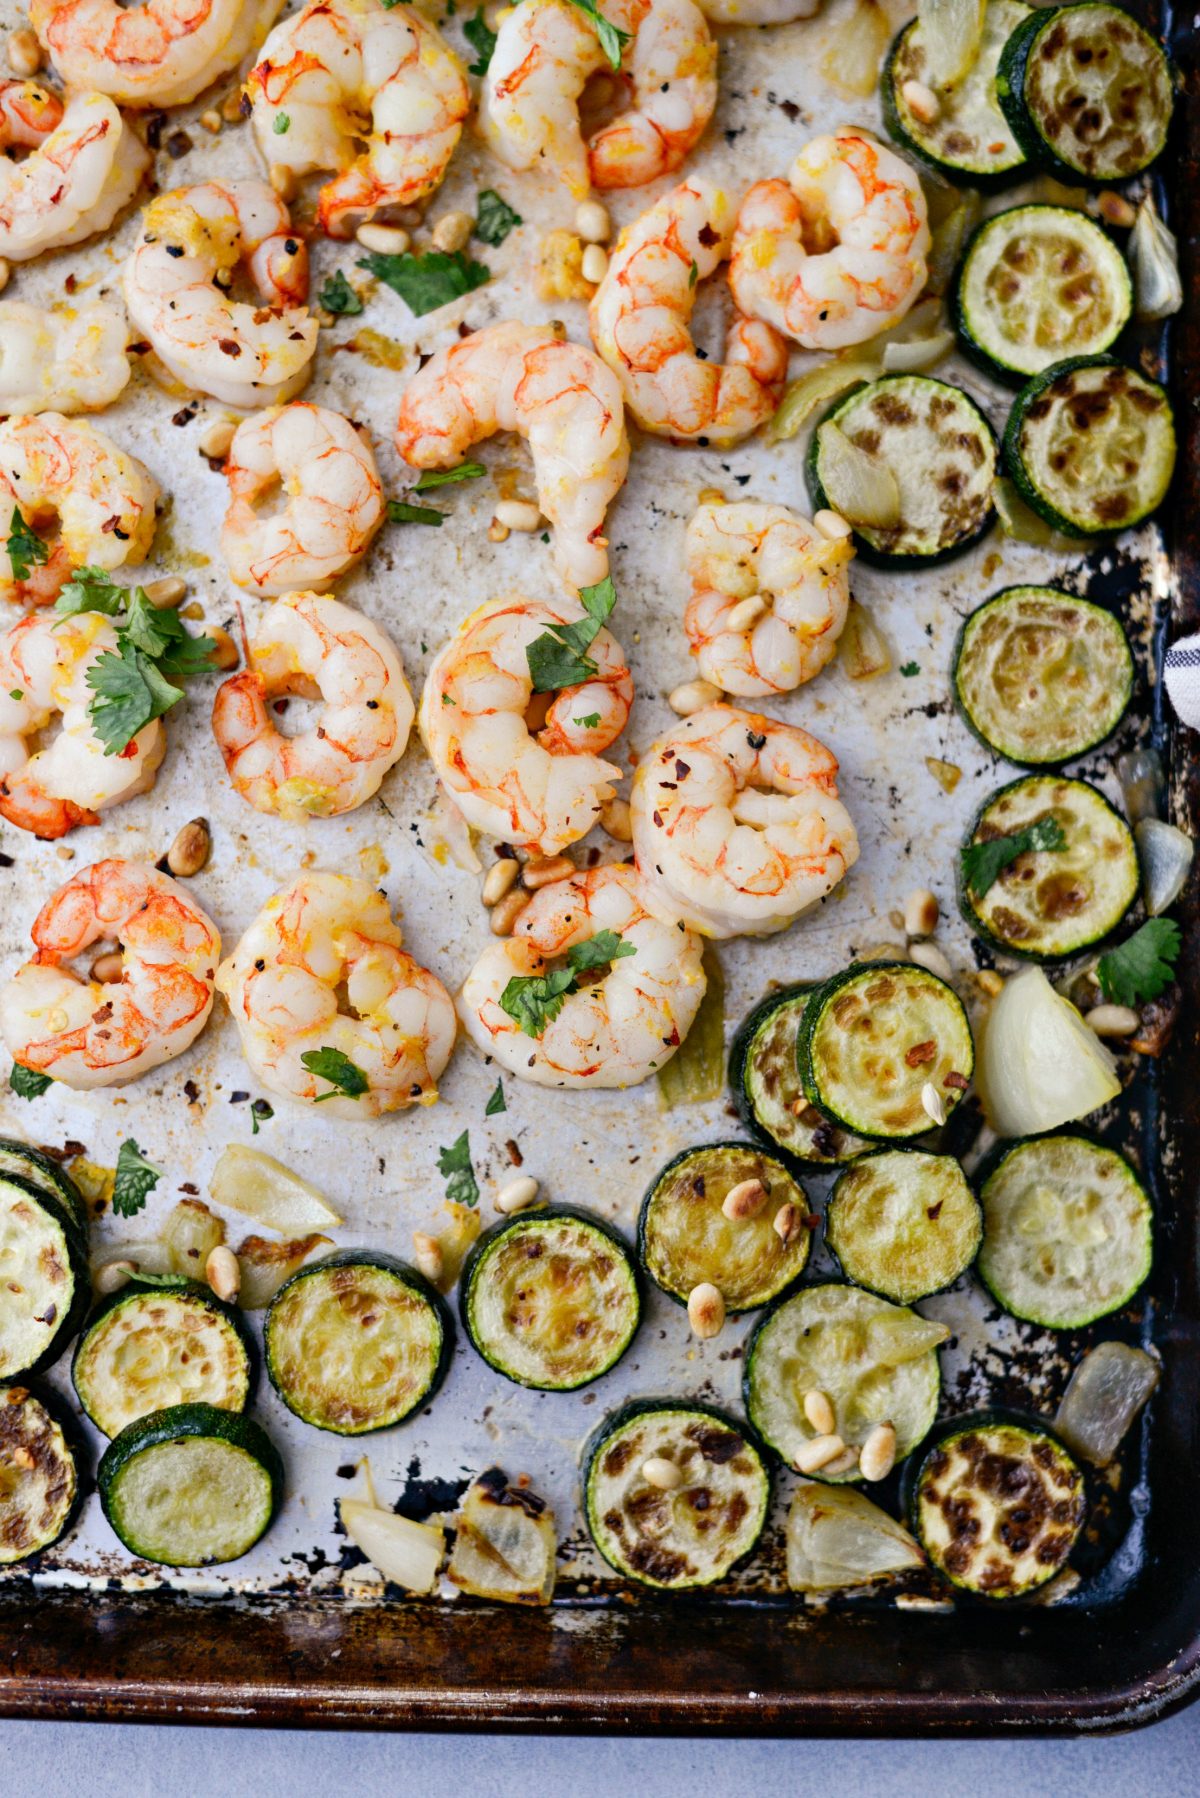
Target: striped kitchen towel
[(1181, 671)]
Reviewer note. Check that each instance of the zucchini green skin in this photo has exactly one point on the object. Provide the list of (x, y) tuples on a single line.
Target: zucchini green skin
[(1054, 388), (822, 1144), (1007, 929), (137, 1293), (940, 1246), (655, 1562), (766, 1266), (1093, 716), (163, 1430), (36, 1419), (44, 1172), (59, 1226), (996, 173), (360, 1419), (475, 1273)]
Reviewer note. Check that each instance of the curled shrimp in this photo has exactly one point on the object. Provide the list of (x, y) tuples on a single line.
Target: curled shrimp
[(334, 499), (757, 12), (837, 252), (190, 243), (70, 360), (44, 665), (523, 766), (311, 645), (335, 65), (84, 165), (617, 1028), (322, 933), (769, 597), (737, 827), (639, 318), (87, 503), (558, 395), (86, 1034), (545, 52), (160, 53)]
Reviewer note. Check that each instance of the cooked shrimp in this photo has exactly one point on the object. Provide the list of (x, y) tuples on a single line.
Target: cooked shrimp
[(639, 321), (546, 50), (339, 63), (311, 645), (160, 53), (44, 665), (323, 932), (771, 556), (523, 766), (737, 827), (836, 253), (334, 504), (757, 12), (84, 165), (614, 1030), (90, 503), (558, 395), (190, 243), (69, 360), (86, 1034)]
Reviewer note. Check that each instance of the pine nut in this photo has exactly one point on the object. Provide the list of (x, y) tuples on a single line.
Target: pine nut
[(1115, 209), (497, 532), (594, 265), (225, 650), (501, 877), (746, 613), (710, 496), (744, 1201), (921, 101), (24, 53), (706, 1310), (877, 1456), (211, 120), (518, 515), (427, 1256), (786, 1224), (818, 1453), (518, 1195), (1112, 1020), (283, 182), (931, 1103), (819, 1412), (165, 594), (113, 1275), (929, 956), (592, 222), (692, 697), (231, 107), (191, 848), (832, 525), (921, 913), (452, 231), (108, 969), (385, 240), (989, 982), (658, 1471), (544, 870), (5, 274), (846, 1462), (223, 1273), (615, 818), (505, 914), (216, 439)]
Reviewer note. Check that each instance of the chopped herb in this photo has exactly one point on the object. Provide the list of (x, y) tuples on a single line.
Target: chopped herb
[(400, 512), (910, 668), (455, 1164), (282, 124), (165, 639), (15, 693), (426, 282), (161, 1279), (25, 548), (482, 40), (588, 723), (494, 217), (337, 296), (597, 951), (92, 590), (135, 1178), (535, 1000), (984, 863), (496, 1103), (447, 477), (612, 38), (1142, 966), (342, 1074), (558, 658), (130, 693), (693, 274), (27, 1083), (260, 1113)]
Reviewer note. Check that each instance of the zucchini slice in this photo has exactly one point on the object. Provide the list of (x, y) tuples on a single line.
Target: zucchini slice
[(684, 1237), (550, 1298), (1066, 1230), (904, 1224), (765, 1079), (40, 1488), (190, 1486), (682, 1536), (1087, 92), (42, 1171), (1041, 676), (874, 1037), (357, 1341), (1038, 284), (941, 451), (1050, 903), (998, 1505), (44, 1281), (1090, 445), (150, 1347), (970, 142), (876, 1363)]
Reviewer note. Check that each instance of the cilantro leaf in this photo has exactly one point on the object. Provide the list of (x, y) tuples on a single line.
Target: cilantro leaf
[(535, 1000), (142, 1279), (136, 1177), (342, 1074), (25, 548), (455, 1164), (558, 658), (163, 636), (400, 512), (260, 1113), (426, 282), (497, 1102), (1142, 966), (693, 272), (910, 668), (588, 723), (130, 693), (447, 477), (482, 40), (27, 1083), (281, 124), (494, 217), (612, 38), (984, 863), (337, 296), (597, 951), (92, 590)]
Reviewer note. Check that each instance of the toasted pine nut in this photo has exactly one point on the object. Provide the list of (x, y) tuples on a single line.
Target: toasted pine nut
[(283, 181), (223, 1272), (452, 231), (165, 593), (24, 53), (231, 107), (931, 1103), (507, 911), (710, 496), (658, 1471), (706, 1310), (594, 266), (819, 1412), (846, 1462), (811, 1456), (592, 222), (989, 982), (692, 697), (1115, 209), (543, 870), (109, 968), (113, 1275), (745, 1200), (225, 650), (615, 819), (746, 613), (928, 955), (501, 876), (921, 101), (497, 532), (5, 274), (1112, 1020), (191, 848), (217, 438), (211, 120), (518, 1195), (786, 1224), (427, 1256), (921, 913), (831, 524), (518, 515), (386, 240), (877, 1456)]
